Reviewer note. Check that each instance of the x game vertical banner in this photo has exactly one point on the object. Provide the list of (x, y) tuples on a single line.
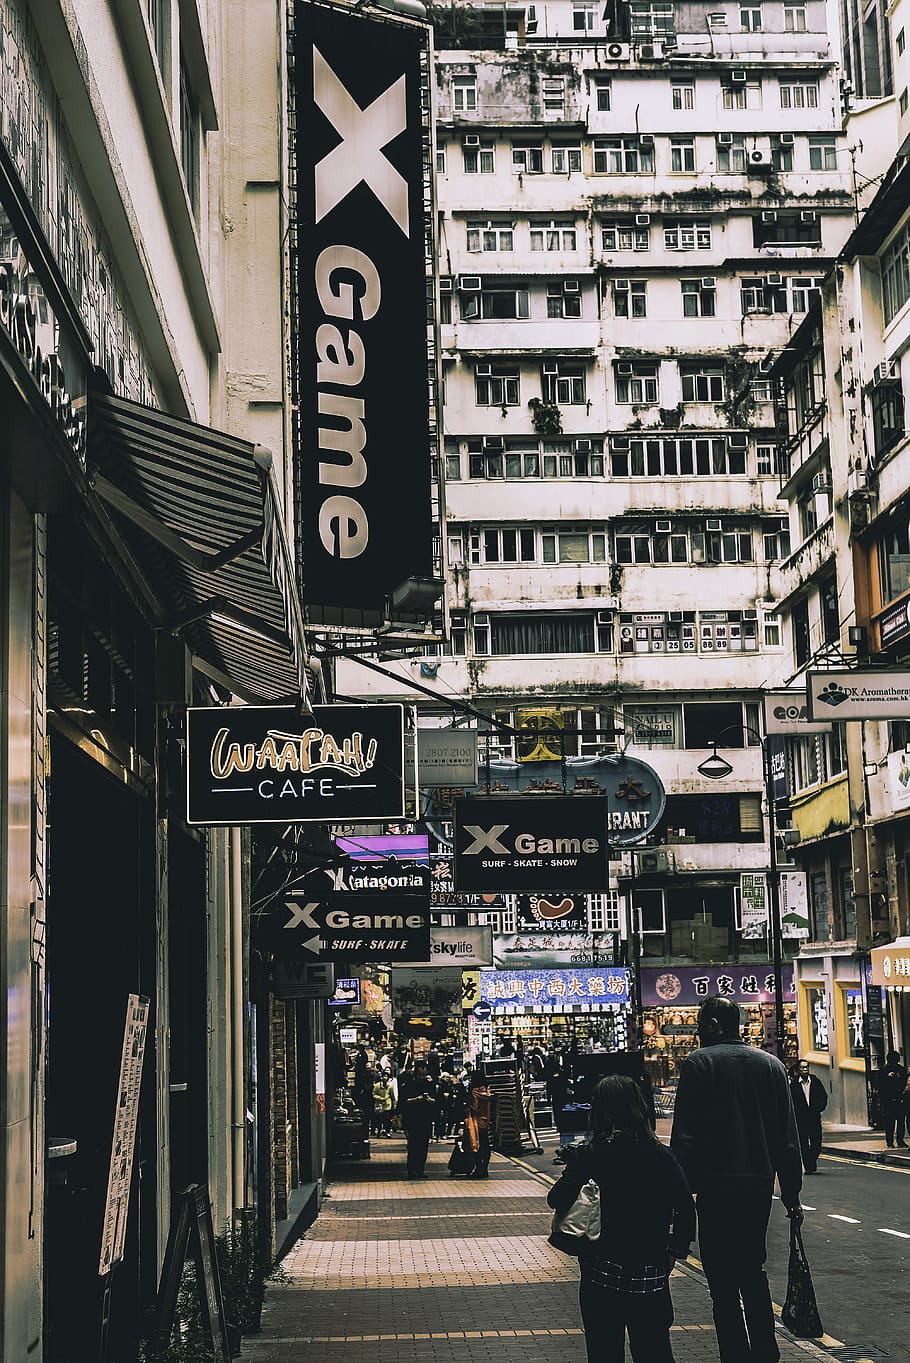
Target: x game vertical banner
[(364, 459)]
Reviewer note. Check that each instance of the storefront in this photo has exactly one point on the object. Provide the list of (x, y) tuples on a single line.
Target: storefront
[(889, 980), (588, 1007), (672, 996)]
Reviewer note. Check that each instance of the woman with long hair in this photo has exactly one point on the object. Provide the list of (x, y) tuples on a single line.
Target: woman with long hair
[(477, 1122), (647, 1221)]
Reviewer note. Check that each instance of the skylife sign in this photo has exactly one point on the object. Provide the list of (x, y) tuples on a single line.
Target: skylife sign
[(535, 842), (364, 399)]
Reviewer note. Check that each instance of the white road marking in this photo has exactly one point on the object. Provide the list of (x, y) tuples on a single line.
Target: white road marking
[(902, 1234), (851, 1220)]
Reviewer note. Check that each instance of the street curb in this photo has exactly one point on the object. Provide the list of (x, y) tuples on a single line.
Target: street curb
[(868, 1156)]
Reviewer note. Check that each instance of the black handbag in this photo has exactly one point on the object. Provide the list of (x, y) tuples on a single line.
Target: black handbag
[(800, 1313), (461, 1160)]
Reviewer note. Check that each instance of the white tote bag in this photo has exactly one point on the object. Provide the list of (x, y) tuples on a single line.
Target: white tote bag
[(580, 1225)]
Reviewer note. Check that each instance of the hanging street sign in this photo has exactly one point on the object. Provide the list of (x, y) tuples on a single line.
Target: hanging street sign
[(858, 695), (636, 800), (787, 712), (304, 980), (354, 927), (533, 842), (251, 764)]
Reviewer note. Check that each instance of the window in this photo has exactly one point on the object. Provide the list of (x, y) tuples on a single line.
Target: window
[(603, 94), (651, 18), (573, 544), (760, 390), (464, 94), (445, 301), (887, 415), (189, 136), (556, 235), (896, 274), (781, 154), (812, 508), (452, 463), (894, 558), (769, 461), (563, 384), (903, 101), (804, 390), (830, 611), (682, 94), (508, 545), (495, 303), (631, 548), (698, 297), (603, 912), (822, 153), (479, 159), (565, 159), (563, 298), (554, 94), (623, 156), (783, 227), (776, 541), (901, 43), (687, 234), (739, 96), (625, 235), (731, 154), (630, 298), (778, 293), (583, 18), (159, 13), (440, 160), (561, 461), (516, 461), (636, 383), (802, 96), (490, 236), (495, 386), (674, 456), (750, 18), (771, 631), (794, 18), (653, 726), (527, 159), (532, 633), (732, 543), (682, 155), (703, 385)]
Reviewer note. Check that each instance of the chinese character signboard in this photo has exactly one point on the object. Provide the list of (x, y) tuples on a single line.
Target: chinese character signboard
[(347, 992), (537, 843), (444, 895), (536, 950), (363, 450), (794, 904), (249, 764), (687, 985), (553, 913), (555, 990), (753, 904)]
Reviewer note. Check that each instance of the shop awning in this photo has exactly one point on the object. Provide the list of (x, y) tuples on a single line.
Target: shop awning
[(891, 964), (199, 510)]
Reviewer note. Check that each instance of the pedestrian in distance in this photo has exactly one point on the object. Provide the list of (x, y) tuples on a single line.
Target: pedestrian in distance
[(417, 1109), (647, 1221), (892, 1086), (382, 1104), (810, 1099), (445, 1101), (477, 1123), (734, 1129)]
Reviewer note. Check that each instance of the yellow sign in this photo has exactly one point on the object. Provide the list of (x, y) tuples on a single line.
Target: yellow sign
[(891, 964), (540, 734), (470, 989)]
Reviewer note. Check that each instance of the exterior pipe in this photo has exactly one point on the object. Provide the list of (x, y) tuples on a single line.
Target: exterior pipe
[(238, 1100)]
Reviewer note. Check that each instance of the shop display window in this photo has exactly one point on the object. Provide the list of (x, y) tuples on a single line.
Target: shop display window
[(816, 1020)]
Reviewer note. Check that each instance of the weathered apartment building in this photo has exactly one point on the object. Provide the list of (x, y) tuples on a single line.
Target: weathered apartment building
[(637, 206)]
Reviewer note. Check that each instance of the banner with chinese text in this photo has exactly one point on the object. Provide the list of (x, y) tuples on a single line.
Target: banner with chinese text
[(555, 989)]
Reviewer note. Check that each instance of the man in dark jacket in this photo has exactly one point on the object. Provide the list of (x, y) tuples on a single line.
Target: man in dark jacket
[(733, 1130), (809, 1102), (417, 1109), (892, 1083)]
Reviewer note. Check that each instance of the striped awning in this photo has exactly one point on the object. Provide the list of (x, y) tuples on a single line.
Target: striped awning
[(200, 512)]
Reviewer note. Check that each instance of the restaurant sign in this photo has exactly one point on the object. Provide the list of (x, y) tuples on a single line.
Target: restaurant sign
[(252, 764), (535, 842), (555, 990)]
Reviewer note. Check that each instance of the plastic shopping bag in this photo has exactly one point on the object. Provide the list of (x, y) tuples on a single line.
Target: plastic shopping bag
[(800, 1313)]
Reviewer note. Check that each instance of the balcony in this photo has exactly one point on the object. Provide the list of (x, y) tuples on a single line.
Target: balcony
[(806, 561)]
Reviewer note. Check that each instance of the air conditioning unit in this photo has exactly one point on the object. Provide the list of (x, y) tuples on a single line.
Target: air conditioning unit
[(621, 285), (571, 286), (445, 284), (766, 364), (619, 443), (642, 219), (656, 862), (471, 140), (469, 283), (583, 445), (604, 617), (709, 282), (769, 215), (663, 527), (531, 19), (646, 140), (483, 371), (738, 77), (624, 368), (760, 160), (725, 139), (808, 215), (493, 444), (738, 441), (786, 139), (885, 372), (857, 482), (618, 52), (821, 483), (775, 281), (750, 615), (713, 524), (649, 52)]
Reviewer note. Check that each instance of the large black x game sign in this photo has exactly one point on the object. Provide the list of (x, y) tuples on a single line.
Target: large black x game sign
[(362, 357)]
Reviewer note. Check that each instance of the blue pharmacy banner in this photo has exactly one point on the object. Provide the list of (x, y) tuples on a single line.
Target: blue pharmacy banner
[(555, 989)]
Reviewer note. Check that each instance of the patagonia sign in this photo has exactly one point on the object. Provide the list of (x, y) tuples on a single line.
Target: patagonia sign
[(361, 348), (264, 764), (535, 843)]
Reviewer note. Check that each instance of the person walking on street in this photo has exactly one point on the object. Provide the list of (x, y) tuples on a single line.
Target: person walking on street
[(648, 1222), (734, 1129), (417, 1108), (382, 1104), (477, 1123), (809, 1102), (892, 1084), (445, 1101)]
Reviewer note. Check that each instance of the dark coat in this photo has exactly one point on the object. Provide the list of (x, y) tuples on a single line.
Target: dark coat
[(892, 1081), (413, 1108), (808, 1114)]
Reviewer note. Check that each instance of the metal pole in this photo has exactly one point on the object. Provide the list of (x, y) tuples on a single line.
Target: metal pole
[(774, 908)]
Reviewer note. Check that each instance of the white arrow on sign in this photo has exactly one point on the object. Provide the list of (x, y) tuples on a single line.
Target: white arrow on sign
[(301, 915), (313, 944)]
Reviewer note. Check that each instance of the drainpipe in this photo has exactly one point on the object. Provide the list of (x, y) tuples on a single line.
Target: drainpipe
[(238, 1100)]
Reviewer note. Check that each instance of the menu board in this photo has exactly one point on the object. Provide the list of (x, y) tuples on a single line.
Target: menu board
[(123, 1144)]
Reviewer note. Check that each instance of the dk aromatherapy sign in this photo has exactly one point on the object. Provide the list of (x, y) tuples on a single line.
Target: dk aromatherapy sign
[(263, 764), (536, 842)]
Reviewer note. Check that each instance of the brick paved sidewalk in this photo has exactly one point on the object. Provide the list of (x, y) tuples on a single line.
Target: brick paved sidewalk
[(405, 1271)]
